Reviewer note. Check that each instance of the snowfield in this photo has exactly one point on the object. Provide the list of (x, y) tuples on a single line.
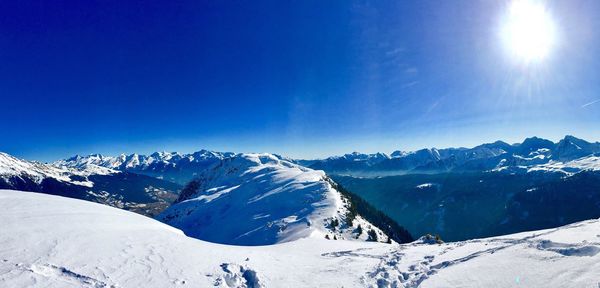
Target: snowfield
[(51, 241), (589, 163)]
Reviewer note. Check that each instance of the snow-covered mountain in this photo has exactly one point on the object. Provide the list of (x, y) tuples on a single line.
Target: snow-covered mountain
[(351, 161), (571, 148), (14, 170), (171, 166), (258, 199), (91, 245), (533, 154), (88, 181)]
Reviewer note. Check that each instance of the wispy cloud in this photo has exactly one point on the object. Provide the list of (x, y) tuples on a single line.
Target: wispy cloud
[(434, 105), (590, 103), (394, 51), (409, 84)]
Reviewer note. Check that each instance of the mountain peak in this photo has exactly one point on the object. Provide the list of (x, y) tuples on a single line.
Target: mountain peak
[(398, 153), (572, 138), (281, 200), (170, 166)]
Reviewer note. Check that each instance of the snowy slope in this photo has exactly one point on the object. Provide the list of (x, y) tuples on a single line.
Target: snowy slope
[(258, 199), (562, 257), (50, 241), (588, 163)]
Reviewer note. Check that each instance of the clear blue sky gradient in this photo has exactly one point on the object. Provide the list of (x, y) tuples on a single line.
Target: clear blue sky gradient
[(301, 78)]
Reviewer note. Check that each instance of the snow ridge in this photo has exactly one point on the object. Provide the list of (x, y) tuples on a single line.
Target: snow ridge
[(259, 199)]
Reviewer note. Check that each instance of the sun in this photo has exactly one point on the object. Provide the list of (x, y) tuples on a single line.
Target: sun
[(528, 30)]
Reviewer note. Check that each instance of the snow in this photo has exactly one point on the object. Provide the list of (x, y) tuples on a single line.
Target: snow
[(543, 164), (570, 155), (426, 185), (136, 161), (93, 159), (13, 167), (589, 163), (169, 166), (92, 245), (51, 241), (259, 199)]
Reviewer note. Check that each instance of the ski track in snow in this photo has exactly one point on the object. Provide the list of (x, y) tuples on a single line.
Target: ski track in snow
[(64, 274), (389, 274), (386, 274), (49, 273)]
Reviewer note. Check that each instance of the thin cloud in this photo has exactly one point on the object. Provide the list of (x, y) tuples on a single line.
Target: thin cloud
[(394, 51), (409, 84), (591, 103)]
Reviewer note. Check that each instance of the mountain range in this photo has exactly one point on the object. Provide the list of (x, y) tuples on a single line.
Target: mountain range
[(170, 166), (140, 193), (533, 154)]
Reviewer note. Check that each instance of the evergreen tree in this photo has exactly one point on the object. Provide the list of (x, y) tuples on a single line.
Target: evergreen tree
[(334, 223), (359, 206), (372, 235), (359, 230)]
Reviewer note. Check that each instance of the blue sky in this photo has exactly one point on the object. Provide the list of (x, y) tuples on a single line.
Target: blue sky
[(301, 78)]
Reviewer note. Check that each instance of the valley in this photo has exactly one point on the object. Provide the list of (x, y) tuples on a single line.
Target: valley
[(460, 206)]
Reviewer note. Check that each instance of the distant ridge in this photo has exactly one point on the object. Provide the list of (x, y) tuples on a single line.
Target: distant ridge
[(533, 154), (171, 166)]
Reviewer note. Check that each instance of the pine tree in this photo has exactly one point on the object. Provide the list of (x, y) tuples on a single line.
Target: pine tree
[(359, 230), (334, 223), (372, 235)]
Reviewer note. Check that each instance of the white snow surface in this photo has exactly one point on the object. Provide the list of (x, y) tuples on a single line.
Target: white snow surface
[(426, 185), (13, 167), (589, 163), (542, 164), (51, 241), (260, 199)]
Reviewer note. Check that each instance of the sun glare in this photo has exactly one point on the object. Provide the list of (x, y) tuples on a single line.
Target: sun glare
[(528, 31)]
